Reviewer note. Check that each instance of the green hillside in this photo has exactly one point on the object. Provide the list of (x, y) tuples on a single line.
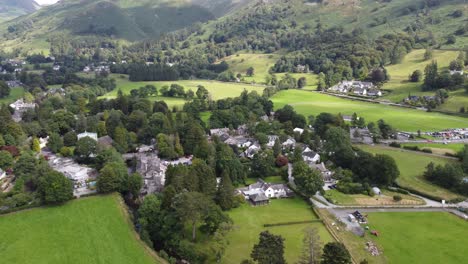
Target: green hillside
[(122, 19), (10, 9), (89, 230)]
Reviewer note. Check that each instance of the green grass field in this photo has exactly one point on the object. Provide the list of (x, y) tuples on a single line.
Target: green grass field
[(312, 103), (84, 231), (423, 237), (15, 94), (400, 86), (412, 166), (249, 221), (262, 63), (218, 90), (386, 198), (239, 63), (456, 100), (438, 148)]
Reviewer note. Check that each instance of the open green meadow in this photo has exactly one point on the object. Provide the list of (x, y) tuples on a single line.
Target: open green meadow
[(218, 90), (399, 85), (15, 94), (249, 221), (420, 237), (239, 63), (412, 166), (439, 148), (84, 231), (456, 100), (313, 103)]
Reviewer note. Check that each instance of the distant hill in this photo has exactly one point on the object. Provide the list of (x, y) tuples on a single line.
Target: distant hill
[(121, 19), (10, 9)]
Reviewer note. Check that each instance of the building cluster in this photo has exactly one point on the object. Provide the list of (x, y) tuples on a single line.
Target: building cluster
[(153, 169), (103, 68), (83, 178), (20, 107), (261, 192), (356, 88)]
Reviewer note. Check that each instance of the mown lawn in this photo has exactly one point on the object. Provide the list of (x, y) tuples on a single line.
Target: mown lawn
[(412, 166), (15, 94), (313, 103), (421, 237), (249, 221), (84, 231), (218, 90), (399, 84)]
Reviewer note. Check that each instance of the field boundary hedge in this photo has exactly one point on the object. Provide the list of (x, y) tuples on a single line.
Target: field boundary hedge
[(294, 223)]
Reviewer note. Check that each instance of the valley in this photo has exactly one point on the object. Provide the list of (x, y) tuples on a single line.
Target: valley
[(233, 131)]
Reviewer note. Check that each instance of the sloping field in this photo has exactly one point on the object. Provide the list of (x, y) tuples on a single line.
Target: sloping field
[(85, 231)]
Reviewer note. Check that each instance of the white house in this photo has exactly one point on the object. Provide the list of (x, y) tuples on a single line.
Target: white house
[(456, 72), (264, 189), (271, 140), (56, 68), (88, 134), (310, 156), (298, 130), (2, 174), (251, 151), (290, 143)]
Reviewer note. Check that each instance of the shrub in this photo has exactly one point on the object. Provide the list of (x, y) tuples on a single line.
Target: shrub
[(427, 150), (413, 148), (397, 198), (395, 145)]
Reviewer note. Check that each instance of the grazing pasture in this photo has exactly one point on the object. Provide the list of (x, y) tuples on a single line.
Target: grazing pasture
[(248, 224), (88, 230), (412, 166), (420, 237), (314, 103)]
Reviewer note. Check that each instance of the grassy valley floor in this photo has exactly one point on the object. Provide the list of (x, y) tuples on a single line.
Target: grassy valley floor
[(249, 221), (314, 103), (85, 231), (412, 166), (421, 237), (218, 90)]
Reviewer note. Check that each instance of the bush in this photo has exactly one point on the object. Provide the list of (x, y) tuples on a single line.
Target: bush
[(397, 198), (395, 145), (413, 148), (426, 150)]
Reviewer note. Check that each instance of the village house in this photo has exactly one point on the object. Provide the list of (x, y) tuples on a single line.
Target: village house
[(356, 87), (326, 173), (20, 107), (298, 130), (290, 143), (260, 192), (374, 92), (456, 72), (251, 151), (86, 69), (14, 84), (81, 175), (219, 132), (239, 141), (271, 140), (2, 174), (91, 135), (310, 156)]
